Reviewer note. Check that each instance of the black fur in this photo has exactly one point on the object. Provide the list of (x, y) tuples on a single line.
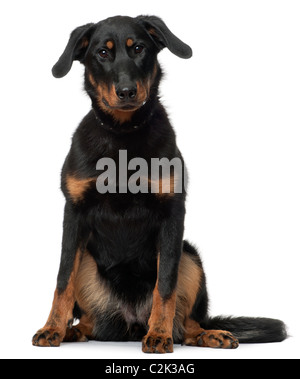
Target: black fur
[(123, 231), (126, 229), (249, 329)]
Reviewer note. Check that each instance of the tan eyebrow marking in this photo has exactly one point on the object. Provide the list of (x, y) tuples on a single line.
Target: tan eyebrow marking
[(129, 42), (110, 44)]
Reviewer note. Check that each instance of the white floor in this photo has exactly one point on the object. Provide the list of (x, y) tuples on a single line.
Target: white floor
[(22, 348)]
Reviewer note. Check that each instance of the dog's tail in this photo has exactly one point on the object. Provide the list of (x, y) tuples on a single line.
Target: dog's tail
[(249, 329)]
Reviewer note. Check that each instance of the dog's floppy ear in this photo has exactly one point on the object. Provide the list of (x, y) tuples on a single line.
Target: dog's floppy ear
[(163, 36), (75, 50)]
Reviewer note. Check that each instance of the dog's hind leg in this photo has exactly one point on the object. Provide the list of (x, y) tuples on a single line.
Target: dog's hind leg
[(197, 336), (81, 332), (192, 305)]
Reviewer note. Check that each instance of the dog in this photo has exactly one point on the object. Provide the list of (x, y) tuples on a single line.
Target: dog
[(125, 272)]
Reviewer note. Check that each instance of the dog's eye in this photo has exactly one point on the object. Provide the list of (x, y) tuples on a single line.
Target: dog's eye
[(103, 53), (138, 49)]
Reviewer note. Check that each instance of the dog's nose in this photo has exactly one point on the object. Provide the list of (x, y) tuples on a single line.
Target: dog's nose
[(126, 93)]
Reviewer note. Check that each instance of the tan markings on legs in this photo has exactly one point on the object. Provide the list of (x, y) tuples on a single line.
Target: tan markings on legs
[(81, 332), (159, 337), (61, 314), (197, 336), (188, 286)]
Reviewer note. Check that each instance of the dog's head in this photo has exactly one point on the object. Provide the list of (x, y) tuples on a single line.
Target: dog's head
[(120, 57)]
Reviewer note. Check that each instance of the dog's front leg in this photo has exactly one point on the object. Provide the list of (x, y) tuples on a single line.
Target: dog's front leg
[(61, 314), (159, 337)]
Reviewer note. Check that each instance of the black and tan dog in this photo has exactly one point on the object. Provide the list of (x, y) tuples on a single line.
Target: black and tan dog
[(125, 270)]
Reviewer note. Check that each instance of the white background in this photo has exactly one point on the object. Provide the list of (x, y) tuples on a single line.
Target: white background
[(235, 109)]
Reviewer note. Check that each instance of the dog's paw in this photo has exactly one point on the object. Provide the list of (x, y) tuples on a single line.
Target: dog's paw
[(47, 337), (155, 343), (75, 335), (217, 339)]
